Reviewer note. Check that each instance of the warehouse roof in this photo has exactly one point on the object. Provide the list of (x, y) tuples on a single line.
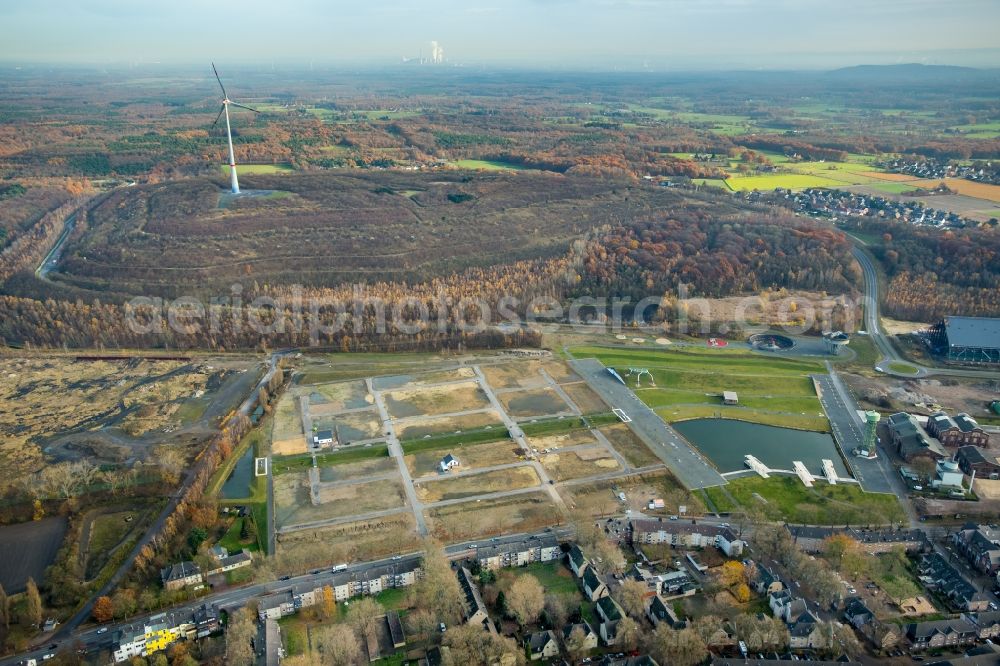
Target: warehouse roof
[(973, 331)]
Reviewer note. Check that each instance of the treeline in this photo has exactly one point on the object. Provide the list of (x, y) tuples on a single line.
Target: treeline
[(29, 248), (934, 272), (714, 257)]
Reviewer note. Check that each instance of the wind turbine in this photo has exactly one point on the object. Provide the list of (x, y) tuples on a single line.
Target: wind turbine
[(229, 134)]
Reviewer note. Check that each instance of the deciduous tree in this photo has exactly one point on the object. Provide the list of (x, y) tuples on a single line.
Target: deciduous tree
[(525, 599), (103, 609), (241, 630)]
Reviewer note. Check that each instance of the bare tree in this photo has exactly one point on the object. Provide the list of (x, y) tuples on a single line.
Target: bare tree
[(525, 599), (241, 630), (631, 595), (576, 644), (556, 609), (338, 645), (363, 614), (678, 648), (438, 590)]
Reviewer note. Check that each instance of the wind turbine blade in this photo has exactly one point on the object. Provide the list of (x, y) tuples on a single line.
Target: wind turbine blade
[(242, 106), (224, 95), (219, 116)]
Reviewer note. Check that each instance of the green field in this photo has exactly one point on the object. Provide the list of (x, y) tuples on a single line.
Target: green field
[(891, 188), (242, 169), (788, 500), (980, 130), (902, 368), (791, 181), (689, 383), (488, 165), (282, 464)]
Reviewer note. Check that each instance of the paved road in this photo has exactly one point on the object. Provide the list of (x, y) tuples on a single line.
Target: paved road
[(396, 451), (875, 476), (683, 460)]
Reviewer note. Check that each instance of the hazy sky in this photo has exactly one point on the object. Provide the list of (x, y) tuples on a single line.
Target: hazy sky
[(660, 34)]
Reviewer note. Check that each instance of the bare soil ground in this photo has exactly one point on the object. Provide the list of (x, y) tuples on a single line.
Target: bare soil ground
[(629, 445), (348, 542), (585, 398), (533, 403), (562, 440), (887, 394), (292, 503), (287, 437), (988, 489), (340, 396), (42, 397), (426, 463), (515, 375), (477, 484), (560, 372), (436, 400), (574, 464), (351, 427), (601, 498), (468, 520), (26, 549), (441, 425), (357, 470)]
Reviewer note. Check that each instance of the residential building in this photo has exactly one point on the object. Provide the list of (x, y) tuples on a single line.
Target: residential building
[(323, 438), (206, 621), (911, 441), (641, 660), (576, 559), (448, 463), (980, 545), (805, 633), (231, 562), (593, 587), (775, 661), (155, 634), (937, 574), (857, 613), (940, 633), (473, 608), (686, 534), (542, 645), (979, 462), (608, 609), (659, 611), (810, 539), (987, 624), (883, 635), (609, 632), (272, 643), (396, 633), (959, 431), (763, 579), (179, 575), (589, 637), (519, 553)]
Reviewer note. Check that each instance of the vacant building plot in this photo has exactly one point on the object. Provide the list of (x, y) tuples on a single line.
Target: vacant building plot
[(26, 549), (578, 437), (422, 379), (477, 484), (351, 427), (474, 519), (534, 403), (104, 533), (577, 463), (424, 463), (584, 397), (287, 437), (340, 396), (358, 541), (421, 427), (601, 498), (518, 375), (357, 470), (560, 372), (293, 500), (627, 443), (436, 400)]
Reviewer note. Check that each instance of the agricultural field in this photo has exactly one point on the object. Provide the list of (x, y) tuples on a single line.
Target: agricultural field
[(785, 498), (46, 398), (476, 484), (426, 463), (475, 519), (689, 384), (487, 165)]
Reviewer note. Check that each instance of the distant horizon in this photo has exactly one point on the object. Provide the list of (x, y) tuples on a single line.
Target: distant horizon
[(558, 35)]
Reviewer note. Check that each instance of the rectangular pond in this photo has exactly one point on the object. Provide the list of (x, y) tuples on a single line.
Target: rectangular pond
[(237, 485), (726, 441)]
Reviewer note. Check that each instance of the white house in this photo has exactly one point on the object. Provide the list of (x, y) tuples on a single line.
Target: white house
[(448, 463), (324, 438)]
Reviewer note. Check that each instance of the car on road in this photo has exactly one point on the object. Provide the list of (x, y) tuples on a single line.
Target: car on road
[(285, 578), (397, 557), (102, 630)]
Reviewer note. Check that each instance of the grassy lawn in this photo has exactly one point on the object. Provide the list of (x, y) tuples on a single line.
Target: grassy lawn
[(720, 499), (788, 500), (689, 384), (451, 440), (282, 464), (232, 542), (556, 426), (902, 368)]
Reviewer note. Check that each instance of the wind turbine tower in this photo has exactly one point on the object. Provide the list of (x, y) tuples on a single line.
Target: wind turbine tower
[(226, 102)]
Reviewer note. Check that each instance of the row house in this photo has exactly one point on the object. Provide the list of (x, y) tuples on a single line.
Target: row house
[(962, 430), (980, 545), (937, 574), (940, 634), (519, 553), (811, 539), (686, 534)]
